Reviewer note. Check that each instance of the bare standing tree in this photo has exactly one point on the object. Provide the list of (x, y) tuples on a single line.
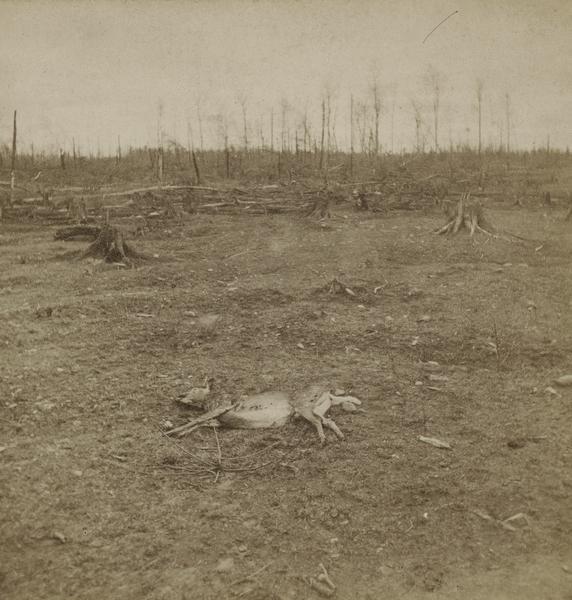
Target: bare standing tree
[(200, 122), (418, 122), (322, 138), (507, 106), (480, 110), (13, 161), (285, 107), (377, 107), (351, 136), (242, 100)]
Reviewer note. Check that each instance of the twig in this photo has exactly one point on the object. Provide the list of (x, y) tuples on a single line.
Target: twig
[(251, 576), (219, 452), (253, 453), (213, 414), (204, 461), (249, 469), (238, 254), (326, 577)]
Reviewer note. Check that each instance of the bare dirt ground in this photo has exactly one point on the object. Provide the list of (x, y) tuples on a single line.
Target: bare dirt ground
[(93, 357)]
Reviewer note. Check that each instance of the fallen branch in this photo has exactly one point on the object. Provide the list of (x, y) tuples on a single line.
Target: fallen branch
[(208, 416), (69, 233)]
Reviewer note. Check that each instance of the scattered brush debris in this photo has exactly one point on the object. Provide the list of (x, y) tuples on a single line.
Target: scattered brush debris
[(207, 463)]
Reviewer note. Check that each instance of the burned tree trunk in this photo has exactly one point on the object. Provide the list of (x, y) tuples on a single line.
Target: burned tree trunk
[(111, 246), (466, 214)]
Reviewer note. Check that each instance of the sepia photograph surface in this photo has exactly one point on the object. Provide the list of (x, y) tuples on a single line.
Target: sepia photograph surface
[(285, 300)]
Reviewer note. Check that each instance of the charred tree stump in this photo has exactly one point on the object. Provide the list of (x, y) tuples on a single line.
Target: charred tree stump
[(320, 209), (465, 215), (361, 202), (111, 246)]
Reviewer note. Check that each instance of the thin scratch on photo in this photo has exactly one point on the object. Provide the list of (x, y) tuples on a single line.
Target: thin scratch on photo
[(439, 25)]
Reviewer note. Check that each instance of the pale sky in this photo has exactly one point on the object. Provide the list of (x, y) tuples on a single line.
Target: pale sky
[(96, 70)]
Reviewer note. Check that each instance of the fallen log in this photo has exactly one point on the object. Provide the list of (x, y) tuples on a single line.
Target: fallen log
[(83, 231)]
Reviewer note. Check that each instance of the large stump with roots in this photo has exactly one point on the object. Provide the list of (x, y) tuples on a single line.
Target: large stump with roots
[(466, 214), (320, 209), (111, 246)]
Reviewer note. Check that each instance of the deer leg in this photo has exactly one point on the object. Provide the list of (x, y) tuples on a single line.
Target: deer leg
[(329, 423)]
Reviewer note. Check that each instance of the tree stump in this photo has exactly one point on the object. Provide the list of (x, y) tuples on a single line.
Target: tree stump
[(466, 214), (361, 202), (320, 209), (111, 246)]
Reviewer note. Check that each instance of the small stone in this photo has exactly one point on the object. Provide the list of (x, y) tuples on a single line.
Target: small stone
[(424, 319), (564, 381), (385, 570), (77, 473), (59, 536), (431, 365), (300, 345), (225, 565), (418, 383), (438, 378), (242, 548)]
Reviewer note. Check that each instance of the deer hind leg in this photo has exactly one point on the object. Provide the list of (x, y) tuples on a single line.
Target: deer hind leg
[(320, 429), (322, 406), (329, 423)]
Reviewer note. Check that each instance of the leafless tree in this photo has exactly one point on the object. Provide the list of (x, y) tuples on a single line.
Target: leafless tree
[(480, 110), (433, 80), (418, 123), (377, 107), (243, 101)]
